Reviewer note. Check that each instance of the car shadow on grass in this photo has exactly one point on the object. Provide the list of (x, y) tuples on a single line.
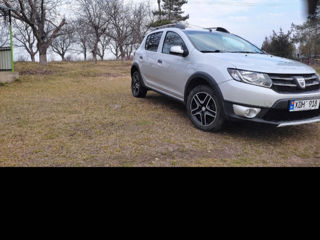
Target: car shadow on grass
[(263, 131), (240, 129), (167, 102)]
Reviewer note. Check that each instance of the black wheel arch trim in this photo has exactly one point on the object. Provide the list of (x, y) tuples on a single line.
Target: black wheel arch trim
[(212, 83), (210, 80), (135, 65)]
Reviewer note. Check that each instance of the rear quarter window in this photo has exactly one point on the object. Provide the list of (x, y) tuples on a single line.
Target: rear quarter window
[(153, 41)]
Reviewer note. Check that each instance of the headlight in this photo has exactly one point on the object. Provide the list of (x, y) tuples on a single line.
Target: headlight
[(318, 76), (254, 78)]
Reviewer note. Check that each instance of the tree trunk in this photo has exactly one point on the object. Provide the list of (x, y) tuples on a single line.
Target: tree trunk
[(94, 55), (122, 53), (33, 59), (95, 52), (43, 55), (85, 55), (159, 7), (170, 9)]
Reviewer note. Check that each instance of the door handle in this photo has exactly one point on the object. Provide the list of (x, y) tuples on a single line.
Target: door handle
[(160, 61), (141, 57)]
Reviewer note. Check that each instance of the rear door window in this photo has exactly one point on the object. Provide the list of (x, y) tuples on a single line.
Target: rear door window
[(153, 41)]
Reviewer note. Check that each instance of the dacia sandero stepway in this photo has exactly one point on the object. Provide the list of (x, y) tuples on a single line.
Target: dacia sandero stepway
[(220, 76)]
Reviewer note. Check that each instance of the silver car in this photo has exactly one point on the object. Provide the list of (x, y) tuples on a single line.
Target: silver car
[(222, 77)]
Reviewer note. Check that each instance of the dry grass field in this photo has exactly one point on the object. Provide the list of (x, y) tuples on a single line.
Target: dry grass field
[(81, 114)]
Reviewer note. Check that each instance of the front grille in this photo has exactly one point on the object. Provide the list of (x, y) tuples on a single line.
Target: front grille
[(280, 115), (286, 83)]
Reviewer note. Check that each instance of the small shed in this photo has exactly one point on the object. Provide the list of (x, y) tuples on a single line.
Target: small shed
[(7, 73)]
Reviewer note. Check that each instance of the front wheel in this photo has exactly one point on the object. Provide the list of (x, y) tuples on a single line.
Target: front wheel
[(205, 109), (138, 90)]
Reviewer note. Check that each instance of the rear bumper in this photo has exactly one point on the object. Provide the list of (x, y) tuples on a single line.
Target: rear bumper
[(278, 115)]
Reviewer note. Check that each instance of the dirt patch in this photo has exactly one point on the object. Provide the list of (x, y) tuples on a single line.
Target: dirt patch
[(110, 75), (41, 72)]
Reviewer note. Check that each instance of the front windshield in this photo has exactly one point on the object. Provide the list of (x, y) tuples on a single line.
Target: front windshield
[(209, 42)]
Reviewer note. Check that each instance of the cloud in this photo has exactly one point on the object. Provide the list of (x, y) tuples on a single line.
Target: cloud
[(252, 19)]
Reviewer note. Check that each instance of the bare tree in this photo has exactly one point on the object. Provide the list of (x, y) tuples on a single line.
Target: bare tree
[(24, 37), (82, 36), (4, 32), (120, 29), (114, 49), (112, 25), (93, 14), (63, 43), (4, 38), (142, 17), (103, 45), (159, 9), (139, 16), (42, 17)]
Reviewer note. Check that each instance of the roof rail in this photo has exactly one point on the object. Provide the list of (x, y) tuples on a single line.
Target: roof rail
[(219, 29), (175, 25)]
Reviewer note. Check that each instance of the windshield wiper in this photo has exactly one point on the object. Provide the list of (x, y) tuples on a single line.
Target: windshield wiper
[(215, 51), (246, 52)]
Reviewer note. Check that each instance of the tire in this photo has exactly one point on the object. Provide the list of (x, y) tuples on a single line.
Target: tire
[(137, 88), (205, 109)]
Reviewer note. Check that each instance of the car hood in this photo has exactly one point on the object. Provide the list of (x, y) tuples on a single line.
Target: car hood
[(263, 63)]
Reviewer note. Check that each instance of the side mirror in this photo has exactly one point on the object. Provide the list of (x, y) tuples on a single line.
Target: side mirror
[(178, 50)]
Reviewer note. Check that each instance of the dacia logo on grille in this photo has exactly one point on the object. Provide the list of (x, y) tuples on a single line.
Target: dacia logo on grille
[(301, 82)]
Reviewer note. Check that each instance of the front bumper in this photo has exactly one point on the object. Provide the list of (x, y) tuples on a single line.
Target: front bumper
[(302, 122), (278, 115), (246, 94)]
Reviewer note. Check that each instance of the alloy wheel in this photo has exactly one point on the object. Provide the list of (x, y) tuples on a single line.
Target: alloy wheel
[(203, 108), (136, 84)]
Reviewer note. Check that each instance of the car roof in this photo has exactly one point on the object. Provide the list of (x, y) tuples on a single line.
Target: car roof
[(182, 27)]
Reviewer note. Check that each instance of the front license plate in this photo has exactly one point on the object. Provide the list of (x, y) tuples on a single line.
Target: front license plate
[(304, 105)]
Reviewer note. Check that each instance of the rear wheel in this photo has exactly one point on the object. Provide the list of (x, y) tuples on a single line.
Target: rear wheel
[(138, 90), (205, 109)]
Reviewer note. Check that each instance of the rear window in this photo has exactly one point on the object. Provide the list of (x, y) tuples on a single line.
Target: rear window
[(153, 41)]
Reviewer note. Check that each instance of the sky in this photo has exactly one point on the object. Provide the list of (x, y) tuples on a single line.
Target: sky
[(250, 19)]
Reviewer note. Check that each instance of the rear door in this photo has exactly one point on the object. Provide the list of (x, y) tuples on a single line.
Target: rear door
[(149, 66)]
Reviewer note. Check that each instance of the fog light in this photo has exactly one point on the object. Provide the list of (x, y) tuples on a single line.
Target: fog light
[(246, 112)]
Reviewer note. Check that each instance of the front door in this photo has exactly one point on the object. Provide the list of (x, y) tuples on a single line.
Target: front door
[(174, 68)]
